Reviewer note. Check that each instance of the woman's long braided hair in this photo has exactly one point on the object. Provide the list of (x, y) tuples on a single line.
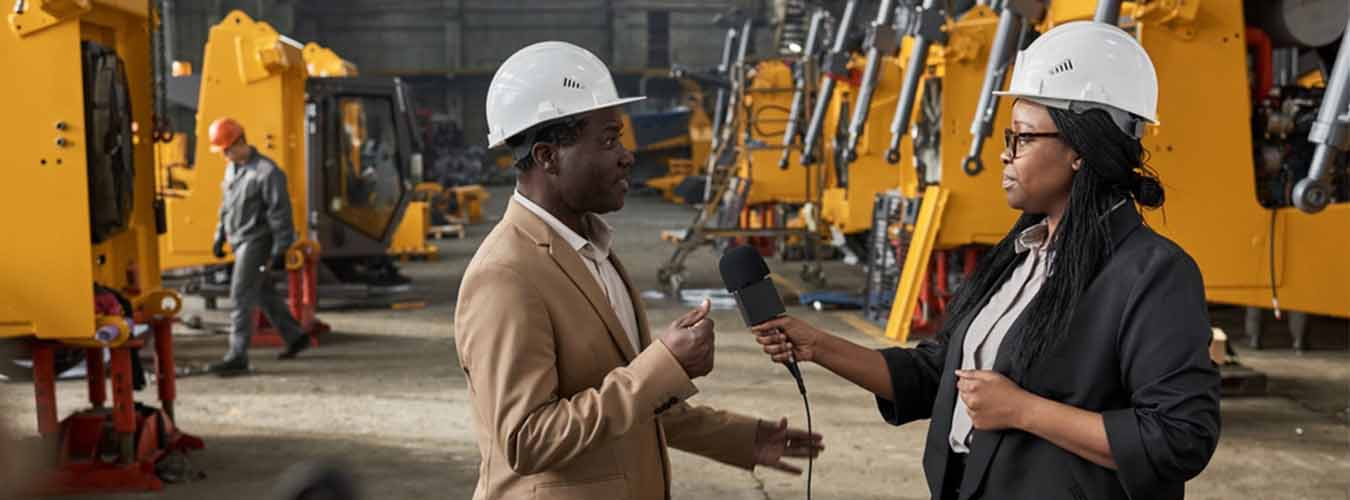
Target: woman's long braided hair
[(1113, 169)]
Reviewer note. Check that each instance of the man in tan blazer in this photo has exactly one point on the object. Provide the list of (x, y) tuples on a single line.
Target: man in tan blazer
[(574, 396)]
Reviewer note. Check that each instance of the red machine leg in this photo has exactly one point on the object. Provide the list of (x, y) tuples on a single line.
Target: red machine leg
[(124, 404), (923, 313), (972, 260), (82, 468), (309, 300), (942, 294), (44, 388), (98, 381), (302, 296), (295, 294), (165, 376)]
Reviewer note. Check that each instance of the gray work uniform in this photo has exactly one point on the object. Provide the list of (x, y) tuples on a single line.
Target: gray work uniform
[(255, 218)]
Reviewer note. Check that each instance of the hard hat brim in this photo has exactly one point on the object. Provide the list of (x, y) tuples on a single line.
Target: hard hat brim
[(1049, 101), (501, 142)]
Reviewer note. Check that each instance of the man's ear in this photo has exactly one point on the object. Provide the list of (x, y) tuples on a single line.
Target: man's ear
[(545, 156)]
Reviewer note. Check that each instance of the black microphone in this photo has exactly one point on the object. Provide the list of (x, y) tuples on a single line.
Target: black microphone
[(747, 278)]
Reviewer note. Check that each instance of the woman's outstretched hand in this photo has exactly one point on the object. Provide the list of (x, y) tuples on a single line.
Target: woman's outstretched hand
[(787, 336)]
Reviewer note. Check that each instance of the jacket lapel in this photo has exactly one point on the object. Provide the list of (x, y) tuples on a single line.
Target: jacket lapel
[(938, 451), (935, 459), (985, 443), (570, 262)]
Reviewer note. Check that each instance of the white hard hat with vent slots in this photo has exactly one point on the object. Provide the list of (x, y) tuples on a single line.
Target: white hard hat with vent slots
[(1089, 65), (545, 82)]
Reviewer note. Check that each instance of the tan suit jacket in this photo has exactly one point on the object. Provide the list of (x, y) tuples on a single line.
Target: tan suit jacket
[(564, 407)]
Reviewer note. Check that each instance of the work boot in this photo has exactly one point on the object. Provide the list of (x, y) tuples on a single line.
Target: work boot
[(294, 348), (229, 367)]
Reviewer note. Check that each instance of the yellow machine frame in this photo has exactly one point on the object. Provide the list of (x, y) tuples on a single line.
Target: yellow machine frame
[(849, 208), (698, 140), (1202, 153), (48, 263), (766, 105)]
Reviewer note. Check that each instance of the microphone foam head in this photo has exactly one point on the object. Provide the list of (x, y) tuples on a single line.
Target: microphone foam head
[(742, 266)]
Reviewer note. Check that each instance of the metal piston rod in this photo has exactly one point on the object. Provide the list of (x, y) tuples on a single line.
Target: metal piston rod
[(802, 78), (927, 32), (1331, 133), (835, 66), (1010, 24), (881, 41)]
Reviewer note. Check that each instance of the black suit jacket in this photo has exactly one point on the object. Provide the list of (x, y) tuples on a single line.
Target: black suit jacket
[(1137, 352)]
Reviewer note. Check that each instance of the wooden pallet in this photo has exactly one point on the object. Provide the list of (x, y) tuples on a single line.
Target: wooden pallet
[(443, 232), (428, 252)]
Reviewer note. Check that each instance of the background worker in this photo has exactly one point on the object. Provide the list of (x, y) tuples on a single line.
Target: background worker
[(1075, 360), (255, 219)]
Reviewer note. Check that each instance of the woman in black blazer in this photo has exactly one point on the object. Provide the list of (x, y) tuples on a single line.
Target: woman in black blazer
[(1074, 363)]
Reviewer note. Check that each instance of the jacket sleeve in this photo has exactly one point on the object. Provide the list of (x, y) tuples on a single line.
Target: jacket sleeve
[(915, 375), (278, 206), (1170, 431), (720, 435), (506, 344), (220, 213)]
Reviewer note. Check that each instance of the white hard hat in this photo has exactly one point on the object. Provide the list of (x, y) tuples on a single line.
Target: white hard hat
[(1088, 65), (544, 82)]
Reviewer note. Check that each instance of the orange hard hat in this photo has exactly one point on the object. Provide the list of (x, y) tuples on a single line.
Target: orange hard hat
[(223, 133)]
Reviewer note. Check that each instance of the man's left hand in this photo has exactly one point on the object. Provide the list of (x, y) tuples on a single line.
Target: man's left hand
[(773, 442), (993, 401)]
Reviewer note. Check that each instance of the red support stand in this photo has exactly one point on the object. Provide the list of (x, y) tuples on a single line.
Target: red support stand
[(302, 295), (94, 375), (942, 294), (166, 378), (44, 387), (94, 457)]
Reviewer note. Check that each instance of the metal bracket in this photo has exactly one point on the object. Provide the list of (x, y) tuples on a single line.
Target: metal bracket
[(1175, 14), (1031, 10), (836, 64), (37, 15), (932, 25), (885, 38)]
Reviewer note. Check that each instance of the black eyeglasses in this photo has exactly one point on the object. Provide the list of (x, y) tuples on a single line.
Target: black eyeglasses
[(1012, 139)]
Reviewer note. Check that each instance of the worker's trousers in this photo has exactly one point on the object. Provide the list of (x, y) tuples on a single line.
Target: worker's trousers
[(251, 287)]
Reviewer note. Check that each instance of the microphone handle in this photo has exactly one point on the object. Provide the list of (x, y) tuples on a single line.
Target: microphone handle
[(796, 372)]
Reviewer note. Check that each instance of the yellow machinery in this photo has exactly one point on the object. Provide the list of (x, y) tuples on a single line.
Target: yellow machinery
[(47, 289), (697, 139), (1232, 225), (79, 139), (767, 104), (1203, 152), (744, 182), (848, 207), (345, 142)]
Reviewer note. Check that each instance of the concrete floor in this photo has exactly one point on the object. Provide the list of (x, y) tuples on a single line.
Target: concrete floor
[(385, 395)]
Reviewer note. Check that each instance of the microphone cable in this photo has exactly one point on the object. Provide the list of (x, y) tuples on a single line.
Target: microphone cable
[(810, 432)]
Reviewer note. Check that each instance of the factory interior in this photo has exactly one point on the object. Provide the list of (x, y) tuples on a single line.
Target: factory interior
[(353, 181)]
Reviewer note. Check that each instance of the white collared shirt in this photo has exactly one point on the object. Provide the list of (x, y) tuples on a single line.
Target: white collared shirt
[(595, 253), (987, 331)]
